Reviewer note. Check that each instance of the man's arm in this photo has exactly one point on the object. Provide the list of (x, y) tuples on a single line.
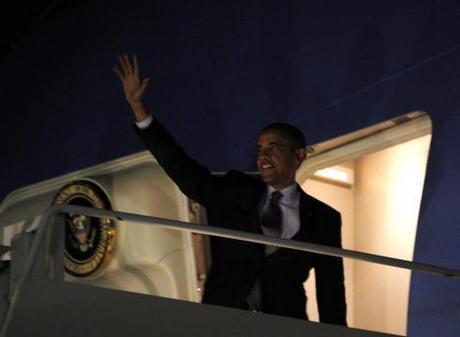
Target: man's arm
[(193, 179)]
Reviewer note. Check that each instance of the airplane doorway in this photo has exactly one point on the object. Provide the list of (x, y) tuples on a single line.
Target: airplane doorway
[(375, 178)]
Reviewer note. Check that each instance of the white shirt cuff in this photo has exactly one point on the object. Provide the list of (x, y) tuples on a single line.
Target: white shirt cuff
[(144, 124)]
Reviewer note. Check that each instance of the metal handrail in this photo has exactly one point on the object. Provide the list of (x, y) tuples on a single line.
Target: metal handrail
[(54, 211)]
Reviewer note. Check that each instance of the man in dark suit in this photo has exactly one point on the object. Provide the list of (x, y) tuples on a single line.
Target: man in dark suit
[(246, 275)]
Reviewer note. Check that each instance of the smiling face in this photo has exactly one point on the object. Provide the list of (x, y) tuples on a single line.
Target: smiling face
[(277, 159)]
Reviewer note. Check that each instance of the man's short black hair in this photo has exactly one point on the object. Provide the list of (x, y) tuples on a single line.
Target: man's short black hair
[(289, 132)]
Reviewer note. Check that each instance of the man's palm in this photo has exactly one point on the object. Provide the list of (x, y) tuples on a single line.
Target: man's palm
[(133, 86)]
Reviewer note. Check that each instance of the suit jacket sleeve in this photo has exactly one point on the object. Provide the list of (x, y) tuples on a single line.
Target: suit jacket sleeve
[(330, 289), (193, 179)]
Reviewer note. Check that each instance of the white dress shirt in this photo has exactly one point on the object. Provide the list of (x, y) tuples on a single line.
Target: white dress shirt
[(144, 124)]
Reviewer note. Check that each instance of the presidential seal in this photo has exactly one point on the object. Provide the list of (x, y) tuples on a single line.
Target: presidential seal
[(89, 242)]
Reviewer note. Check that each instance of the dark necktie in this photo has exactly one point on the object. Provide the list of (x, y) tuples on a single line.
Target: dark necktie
[(271, 217), (271, 225)]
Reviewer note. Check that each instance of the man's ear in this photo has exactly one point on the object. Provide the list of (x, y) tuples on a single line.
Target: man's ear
[(300, 155)]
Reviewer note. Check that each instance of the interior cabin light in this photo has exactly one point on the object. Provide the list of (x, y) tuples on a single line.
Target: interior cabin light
[(337, 174)]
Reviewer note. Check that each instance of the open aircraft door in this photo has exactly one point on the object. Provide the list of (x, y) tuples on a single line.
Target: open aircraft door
[(119, 255)]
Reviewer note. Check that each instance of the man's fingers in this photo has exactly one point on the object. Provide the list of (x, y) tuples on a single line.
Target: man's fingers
[(123, 65), (136, 66), (128, 63), (144, 84), (118, 72)]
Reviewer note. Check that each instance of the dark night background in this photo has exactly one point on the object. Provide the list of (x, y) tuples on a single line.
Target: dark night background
[(219, 71)]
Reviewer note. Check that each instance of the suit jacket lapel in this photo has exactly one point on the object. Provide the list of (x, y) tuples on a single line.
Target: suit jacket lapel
[(306, 215)]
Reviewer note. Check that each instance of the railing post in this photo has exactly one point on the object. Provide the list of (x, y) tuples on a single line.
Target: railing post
[(42, 258), (53, 248)]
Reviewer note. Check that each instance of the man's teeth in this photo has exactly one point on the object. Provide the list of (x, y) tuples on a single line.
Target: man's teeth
[(265, 166)]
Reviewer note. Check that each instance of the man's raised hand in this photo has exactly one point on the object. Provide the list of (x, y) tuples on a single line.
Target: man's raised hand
[(133, 87)]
